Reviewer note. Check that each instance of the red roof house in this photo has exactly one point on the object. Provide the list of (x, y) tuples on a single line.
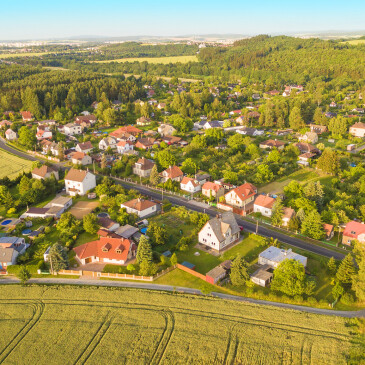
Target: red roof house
[(353, 231)]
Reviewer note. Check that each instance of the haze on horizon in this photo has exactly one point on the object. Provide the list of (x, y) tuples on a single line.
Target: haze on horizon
[(39, 19)]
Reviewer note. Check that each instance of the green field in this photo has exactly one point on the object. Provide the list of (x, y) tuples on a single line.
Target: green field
[(355, 42), (164, 60), (23, 54), (12, 166), (75, 325)]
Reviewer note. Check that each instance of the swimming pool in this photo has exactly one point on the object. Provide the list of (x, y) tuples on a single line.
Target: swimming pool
[(6, 222), (26, 231), (144, 230), (103, 215)]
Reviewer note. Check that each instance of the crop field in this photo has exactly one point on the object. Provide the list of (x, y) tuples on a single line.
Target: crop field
[(164, 60), (12, 166), (355, 42), (23, 54), (74, 325)]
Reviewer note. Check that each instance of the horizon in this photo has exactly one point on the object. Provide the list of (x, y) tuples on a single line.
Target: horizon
[(119, 19)]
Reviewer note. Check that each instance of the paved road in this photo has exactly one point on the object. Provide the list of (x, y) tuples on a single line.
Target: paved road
[(248, 226), (125, 284)]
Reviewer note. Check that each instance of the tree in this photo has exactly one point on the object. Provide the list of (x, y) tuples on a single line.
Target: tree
[(27, 137), (312, 225), (23, 275), (173, 259), (277, 213), (332, 266), (296, 121), (144, 250), (68, 225), (31, 102), (131, 268), (346, 271), (329, 162), (90, 223), (290, 279), (147, 268), (60, 151), (154, 176), (58, 258), (189, 166), (103, 161), (239, 273), (274, 156), (166, 159)]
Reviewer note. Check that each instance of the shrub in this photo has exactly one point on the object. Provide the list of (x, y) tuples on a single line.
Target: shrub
[(312, 300), (347, 299)]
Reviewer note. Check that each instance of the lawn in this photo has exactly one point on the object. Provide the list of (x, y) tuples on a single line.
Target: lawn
[(85, 237), (163, 60), (156, 327), (12, 166)]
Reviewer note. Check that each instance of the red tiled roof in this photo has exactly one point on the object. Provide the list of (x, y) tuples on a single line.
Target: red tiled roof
[(265, 201), (78, 156), (173, 172), (185, 180), (139, 204), (353, 229), (76, 175), (127, 129), (212, 186), (86, 145), (245, 191), (95, 249)]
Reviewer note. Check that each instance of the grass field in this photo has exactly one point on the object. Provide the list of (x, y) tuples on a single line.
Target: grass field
[(30, 54), (73, 325), (164, 60), (12, 166), (355, 42)]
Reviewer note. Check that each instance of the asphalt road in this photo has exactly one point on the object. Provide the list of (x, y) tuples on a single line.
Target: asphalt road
[(169, 288), (248, 226)]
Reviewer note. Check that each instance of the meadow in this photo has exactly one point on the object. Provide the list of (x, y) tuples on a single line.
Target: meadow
[(163, 60), (12, 166), (22, 54), (74, 325)]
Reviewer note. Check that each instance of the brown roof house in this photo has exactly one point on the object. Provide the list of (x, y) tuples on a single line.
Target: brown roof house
[(143, 167), (143, 208), (263, 204), (79, 182), (288, 214), (85, 147), (358, 130), (44, 172), (80, 158), (271, 143), (173, 172)]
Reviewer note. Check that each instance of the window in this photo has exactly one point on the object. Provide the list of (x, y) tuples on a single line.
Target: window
[(353, 232)]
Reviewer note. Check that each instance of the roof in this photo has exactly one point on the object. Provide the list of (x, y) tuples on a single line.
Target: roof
[(139, 204), (78, 155), (222, 223), (34, 210), (306, 147), (126, 231), (328, 228), (86, 145), (173, 172), (124, 143), (212, 186), (11, 240), (189, 265), (265, 201), (216, 272), (6, 254), (354, 229), (278, 255), (273, 143), (186, 180), (105, 248), (126, 129), (106, 222), (145, 163), (146, 142), (288, 213), (43, 171), (359, 125), (76, 175), (245, 191), (262, 273), (26, 115)]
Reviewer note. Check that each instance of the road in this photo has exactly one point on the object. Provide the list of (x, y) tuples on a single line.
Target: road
[(248, 226), (169, 288)]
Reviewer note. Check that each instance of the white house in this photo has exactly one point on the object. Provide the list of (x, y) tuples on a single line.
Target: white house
[(11, 135), (72, 129), (190, 185), (10, 248), (44, 172), (241, 196), (43, 134), (263, 204), (274, 256), (81, 158), (166, 130), (124, 147), (108, 142), (141, 207), (220, 232), (309, 137), (85, 147), (79, 182), (358, 130)]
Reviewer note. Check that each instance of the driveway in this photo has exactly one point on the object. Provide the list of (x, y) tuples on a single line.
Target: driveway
[(94, 266)]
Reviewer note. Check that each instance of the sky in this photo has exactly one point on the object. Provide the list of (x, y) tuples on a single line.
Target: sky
[(40, 19)]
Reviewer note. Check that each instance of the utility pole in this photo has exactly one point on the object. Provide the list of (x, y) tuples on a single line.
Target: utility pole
[(257, 226), (338, 240)]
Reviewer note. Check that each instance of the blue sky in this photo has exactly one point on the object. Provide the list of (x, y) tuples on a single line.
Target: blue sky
[(40, 19)]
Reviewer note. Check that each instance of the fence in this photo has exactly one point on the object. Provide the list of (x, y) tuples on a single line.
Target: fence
[(192, 272), (43, 156), (69, 272)]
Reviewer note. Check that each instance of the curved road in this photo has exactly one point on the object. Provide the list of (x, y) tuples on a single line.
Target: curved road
[(248, 226), (169, 288)]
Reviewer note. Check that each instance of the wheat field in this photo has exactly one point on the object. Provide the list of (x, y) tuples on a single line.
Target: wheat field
[(12, 166)]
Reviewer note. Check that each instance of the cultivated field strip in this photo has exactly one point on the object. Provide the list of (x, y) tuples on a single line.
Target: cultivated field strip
[(96, 326)]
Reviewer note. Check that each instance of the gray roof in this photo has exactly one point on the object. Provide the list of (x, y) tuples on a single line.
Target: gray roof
[(262, 273), (61, 200), (34, 210), (6, 254), (217, 224), (217, 272), (278, 255), (126, 231), (12, 240)]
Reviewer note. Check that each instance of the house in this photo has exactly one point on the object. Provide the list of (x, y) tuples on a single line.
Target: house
[(288, 214), (262, 276), (107, 142), (359, 110), (130, 129), (79, 182), (170, 140), (124, 147), (220, 232), (173, 172), (213, 124), (5, 123), (319, 129), (190, 185), (44, 172), (108, 224), (328, 228), (80, 158), (309, 137), (144, 121), (72, 129), (106, 250), (305, 158), (143, 167), (10, 249), (85, 147), (143, 208), (11, 135), (161, 106), (127, 231), (48, 146), (274, 256), (202, 177), (43, 134), (333, 105), (145, 143), (353, 231), (211, 189), (252, 132), (86, 120), (53, 209), (263, 204), (358, 130), (306, 147), (330, 115), (242, 196), (166, 130), (27, 116), (271, 143)]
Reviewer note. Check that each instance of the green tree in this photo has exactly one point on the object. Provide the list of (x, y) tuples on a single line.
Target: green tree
[(23, 275), (312, 225), (58, 258), (332, 266), (27, 137), (31, 102), (346, 271), (189, 166), (296, 121), (277, 213), (173, 259), (329, 162), (68, 225), (90, 223), (239, 271), (154, 177), (166, 159), (144, 250)]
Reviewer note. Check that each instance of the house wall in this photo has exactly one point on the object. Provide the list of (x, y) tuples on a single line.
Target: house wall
[(232, 199), (143, 173), (143, 213), (189, 187), (206, 192), (357, 132), (263, 210), (82, 187)]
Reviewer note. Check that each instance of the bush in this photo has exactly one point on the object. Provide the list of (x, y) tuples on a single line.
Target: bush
[(11, 211), (15, 269), (347, 299), (312, 300)]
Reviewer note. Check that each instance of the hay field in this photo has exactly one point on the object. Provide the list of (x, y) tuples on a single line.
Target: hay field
[(82, 208), (355, 42), (12, 166), (164, 60), (75, 325)]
